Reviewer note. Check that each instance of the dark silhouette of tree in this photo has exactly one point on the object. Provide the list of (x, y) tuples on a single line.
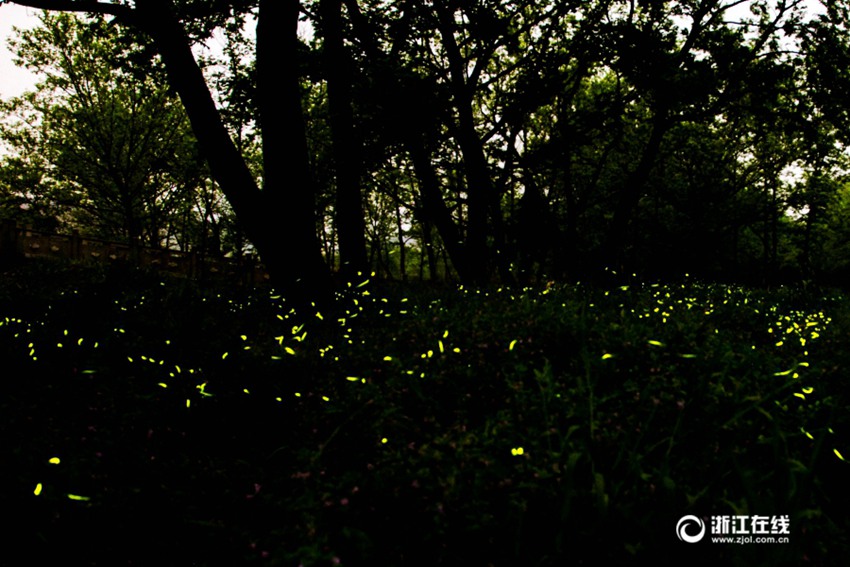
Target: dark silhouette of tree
[(279, 217), (347, 153), (522, 140)]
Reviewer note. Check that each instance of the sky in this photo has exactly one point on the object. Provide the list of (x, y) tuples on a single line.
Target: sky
[(14, 80)]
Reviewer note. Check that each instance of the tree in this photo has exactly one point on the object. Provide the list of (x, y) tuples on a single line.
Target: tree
[(113, 152), (549, 137), (279, 217)]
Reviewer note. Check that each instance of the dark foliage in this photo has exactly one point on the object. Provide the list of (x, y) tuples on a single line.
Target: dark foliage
[(571, 424)]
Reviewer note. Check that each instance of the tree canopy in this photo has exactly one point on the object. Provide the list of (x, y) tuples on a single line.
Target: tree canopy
[(109, 150), (517, 141)]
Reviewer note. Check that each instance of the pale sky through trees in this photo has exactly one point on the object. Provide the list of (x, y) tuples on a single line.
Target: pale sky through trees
[(14, 80)]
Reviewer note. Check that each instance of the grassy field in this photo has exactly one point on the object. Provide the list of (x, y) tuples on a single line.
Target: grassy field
[(155, 422)]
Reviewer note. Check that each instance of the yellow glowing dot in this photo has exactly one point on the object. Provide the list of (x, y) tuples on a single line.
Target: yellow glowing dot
[(517, 451), (162, 385), (79, 498), (289, 350), (837, 454), (606, 356), (384, 440), (54, 461), (37, 490)]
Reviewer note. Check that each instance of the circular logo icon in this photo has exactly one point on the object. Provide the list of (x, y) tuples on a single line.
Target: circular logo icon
[(683, 525)]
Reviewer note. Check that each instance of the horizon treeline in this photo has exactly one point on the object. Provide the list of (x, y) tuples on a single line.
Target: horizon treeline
[(519, 142)]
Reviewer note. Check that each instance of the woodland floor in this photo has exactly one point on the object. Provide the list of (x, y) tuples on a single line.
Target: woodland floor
[(151, 421)]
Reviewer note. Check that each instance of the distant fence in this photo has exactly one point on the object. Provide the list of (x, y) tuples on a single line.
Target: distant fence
[(21, 242)]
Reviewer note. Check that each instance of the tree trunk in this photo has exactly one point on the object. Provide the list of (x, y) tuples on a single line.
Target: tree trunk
[(434, 207), (479, 185), (289, 228), (280, 220), (631, 192), (346, 148)]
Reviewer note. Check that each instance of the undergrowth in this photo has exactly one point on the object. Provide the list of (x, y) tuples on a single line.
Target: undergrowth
[(158, 422)]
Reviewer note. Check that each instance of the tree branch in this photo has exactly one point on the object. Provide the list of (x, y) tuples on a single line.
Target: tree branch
[(121, 11)]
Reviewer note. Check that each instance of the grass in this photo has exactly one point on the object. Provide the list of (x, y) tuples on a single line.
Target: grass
[(151, 422)]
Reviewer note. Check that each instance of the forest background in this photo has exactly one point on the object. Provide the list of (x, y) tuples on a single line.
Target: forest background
[(523, 142)]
